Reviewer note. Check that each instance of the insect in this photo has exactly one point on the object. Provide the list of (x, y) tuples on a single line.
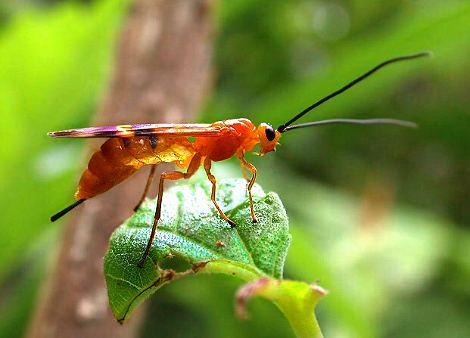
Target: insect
[(219, 244), (189, 146)]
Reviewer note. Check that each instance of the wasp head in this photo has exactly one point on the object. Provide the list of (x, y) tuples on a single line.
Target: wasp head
[(268, 138)]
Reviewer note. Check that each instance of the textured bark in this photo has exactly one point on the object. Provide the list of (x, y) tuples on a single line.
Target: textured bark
[(161, 74)]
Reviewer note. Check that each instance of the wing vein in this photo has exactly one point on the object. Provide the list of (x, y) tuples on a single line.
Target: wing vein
[(131, 130)]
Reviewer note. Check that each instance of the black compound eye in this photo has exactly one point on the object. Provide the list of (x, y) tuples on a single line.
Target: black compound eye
[(270, 133)]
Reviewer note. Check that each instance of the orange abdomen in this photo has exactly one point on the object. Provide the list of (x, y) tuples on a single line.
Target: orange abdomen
[(119, 158)]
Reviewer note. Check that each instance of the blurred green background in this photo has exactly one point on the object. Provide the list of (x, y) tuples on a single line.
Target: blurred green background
[(379, 215)]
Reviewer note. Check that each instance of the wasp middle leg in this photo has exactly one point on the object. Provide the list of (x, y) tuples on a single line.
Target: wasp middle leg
[(147, 186), (207, 168), (252, 169), (168, 175)]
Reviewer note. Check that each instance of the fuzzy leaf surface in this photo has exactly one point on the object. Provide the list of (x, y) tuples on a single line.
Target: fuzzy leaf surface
[(191, 231)]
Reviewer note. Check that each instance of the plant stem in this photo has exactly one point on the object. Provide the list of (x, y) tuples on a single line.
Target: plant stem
[(296, 300)]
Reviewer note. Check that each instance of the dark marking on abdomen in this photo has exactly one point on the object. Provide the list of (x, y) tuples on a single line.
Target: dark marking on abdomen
[(153, 141)]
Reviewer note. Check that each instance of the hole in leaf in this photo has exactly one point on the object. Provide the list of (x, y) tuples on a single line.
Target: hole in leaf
[(177, 263)]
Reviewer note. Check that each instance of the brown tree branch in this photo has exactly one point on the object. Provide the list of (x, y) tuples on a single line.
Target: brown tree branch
[(161, 75)]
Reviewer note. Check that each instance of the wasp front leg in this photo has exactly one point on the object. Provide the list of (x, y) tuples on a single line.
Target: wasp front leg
[(207, 168), (168, 175), (243, 168), (252, 169)]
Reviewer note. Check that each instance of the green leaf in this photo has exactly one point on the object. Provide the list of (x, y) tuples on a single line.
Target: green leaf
[(190, 230)]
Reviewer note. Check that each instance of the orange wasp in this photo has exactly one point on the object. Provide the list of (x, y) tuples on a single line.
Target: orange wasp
[(130, 147)]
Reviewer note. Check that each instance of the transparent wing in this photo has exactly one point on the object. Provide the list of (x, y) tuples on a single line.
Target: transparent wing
[(130, 130)]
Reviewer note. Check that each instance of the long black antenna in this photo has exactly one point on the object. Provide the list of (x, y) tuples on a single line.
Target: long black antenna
[(394, 122), (284, 126)]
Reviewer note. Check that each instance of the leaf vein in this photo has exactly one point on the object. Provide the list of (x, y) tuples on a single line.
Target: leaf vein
[(123, 280)]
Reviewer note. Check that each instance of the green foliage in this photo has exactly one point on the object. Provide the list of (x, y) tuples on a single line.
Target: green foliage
[(398, 277), (387, 259), (53, 66), (430, 164), (77, 42), (190, 231)]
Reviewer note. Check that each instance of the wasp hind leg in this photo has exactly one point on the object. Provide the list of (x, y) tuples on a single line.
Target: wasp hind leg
[(252, 169), (207, 168), (147, 186), (173, 176)]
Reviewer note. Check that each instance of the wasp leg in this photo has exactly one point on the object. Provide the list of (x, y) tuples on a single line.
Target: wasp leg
[(147, 186), (243, 168), (252, 169), (207, 168), (168, 175)]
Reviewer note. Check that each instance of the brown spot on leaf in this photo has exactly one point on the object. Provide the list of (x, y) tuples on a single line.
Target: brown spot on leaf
[(199, 266)]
